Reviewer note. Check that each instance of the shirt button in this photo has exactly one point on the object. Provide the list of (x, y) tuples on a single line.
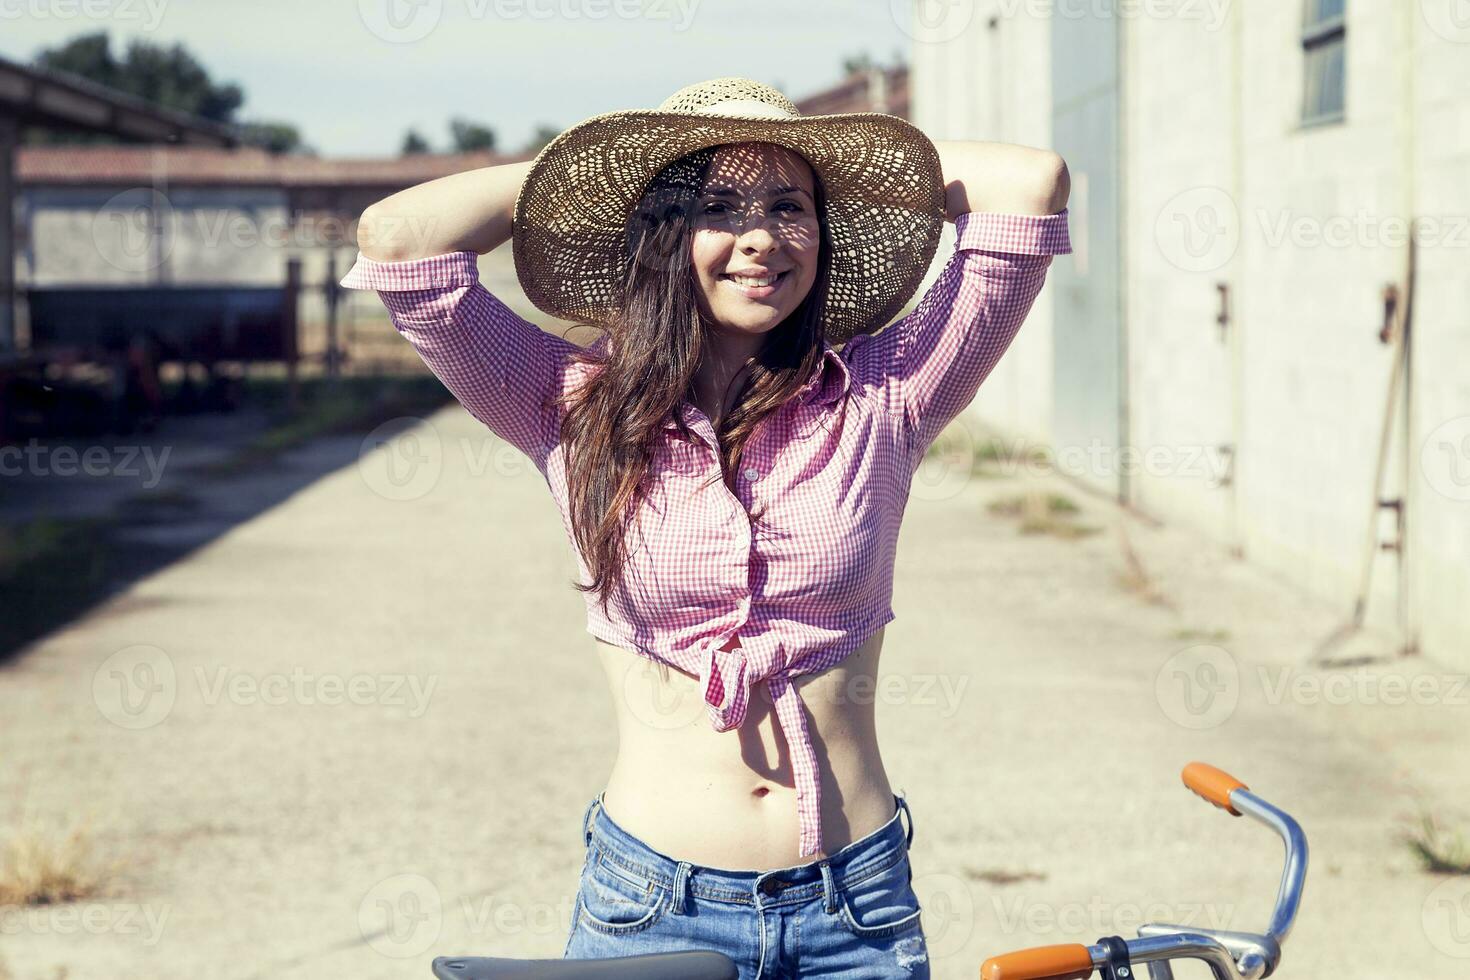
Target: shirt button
[(751, 473)]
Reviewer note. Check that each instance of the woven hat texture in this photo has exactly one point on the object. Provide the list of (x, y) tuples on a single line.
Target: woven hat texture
[(884, 187)]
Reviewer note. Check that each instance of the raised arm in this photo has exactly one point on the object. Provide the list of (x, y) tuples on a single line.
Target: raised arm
[(418, 249), (1008, 204), (469, 211)]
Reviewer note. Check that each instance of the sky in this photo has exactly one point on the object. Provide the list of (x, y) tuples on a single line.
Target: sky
[(355, 75)]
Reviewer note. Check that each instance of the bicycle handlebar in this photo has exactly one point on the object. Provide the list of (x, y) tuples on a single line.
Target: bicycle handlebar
[(1071, 961), (1230, 955), (1213, 785)]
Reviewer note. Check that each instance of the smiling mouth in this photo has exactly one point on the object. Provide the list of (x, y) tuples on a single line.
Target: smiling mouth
[(757, 287)]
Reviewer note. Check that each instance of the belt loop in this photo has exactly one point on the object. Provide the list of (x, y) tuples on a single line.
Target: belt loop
[(903, 805), (829, 888), (586, 828), (681, 888)]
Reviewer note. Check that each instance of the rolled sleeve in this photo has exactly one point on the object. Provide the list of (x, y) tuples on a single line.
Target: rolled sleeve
[(415, 289), (1013, 234), (506, 371), (930, 364)]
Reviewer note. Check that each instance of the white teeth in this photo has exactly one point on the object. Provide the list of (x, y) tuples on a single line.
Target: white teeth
[(751, 281)]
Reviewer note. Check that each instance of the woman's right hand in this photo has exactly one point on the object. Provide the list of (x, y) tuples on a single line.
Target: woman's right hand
[(471, 210)]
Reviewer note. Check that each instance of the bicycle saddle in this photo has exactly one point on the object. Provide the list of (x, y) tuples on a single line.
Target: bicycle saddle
[(691, 964)]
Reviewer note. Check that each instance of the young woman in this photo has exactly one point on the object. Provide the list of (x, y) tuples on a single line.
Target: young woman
[(731, 482)]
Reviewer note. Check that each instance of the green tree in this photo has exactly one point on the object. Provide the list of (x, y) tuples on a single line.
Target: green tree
[(413, 143), (169, 77), (467, 136), (165, 76), (543, 133), (275, 137)]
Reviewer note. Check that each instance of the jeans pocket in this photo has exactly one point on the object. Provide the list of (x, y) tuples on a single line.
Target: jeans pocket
[(881, 905), (615, 900)]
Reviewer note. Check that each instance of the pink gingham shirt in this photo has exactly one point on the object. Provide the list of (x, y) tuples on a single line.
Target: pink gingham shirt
[(704, 589)]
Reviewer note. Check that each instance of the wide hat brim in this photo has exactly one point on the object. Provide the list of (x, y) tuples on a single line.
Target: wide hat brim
[(885, 206)]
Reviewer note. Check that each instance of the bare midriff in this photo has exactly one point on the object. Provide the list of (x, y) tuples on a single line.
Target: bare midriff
[(728, 799)]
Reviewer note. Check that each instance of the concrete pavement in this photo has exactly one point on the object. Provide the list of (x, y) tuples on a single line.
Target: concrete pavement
[(359, 731)]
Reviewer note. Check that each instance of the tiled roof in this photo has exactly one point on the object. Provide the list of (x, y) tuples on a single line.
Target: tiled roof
[(136, 164), (880, 90)]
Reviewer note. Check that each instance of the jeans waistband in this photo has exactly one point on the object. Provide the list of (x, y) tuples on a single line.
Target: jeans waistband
[(863, 858)]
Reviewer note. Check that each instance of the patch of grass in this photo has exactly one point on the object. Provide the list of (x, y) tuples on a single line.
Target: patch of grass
[(1001, 876), (1135, 578), (1438, 852), (1206, 636), (42, 865), (997, 451), (1043, 513), (51, 568), (328, 407), (171, 498), (988, 457)]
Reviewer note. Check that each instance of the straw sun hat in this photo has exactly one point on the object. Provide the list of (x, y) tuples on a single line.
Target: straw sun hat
[(885, 198)]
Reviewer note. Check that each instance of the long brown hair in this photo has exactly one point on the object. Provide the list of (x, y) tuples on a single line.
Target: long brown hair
[(614, 421)]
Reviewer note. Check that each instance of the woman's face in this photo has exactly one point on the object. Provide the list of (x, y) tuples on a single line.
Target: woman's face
[(755, 219)]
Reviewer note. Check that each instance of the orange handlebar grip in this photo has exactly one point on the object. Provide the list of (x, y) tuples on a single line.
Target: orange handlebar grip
[(1213, 784), (1066, 962)]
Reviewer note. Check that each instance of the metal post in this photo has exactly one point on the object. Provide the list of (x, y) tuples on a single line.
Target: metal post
[(333, 354), (9, 140), (289, 299)]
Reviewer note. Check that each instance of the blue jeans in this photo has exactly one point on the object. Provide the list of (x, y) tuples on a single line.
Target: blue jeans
[(850, 915)]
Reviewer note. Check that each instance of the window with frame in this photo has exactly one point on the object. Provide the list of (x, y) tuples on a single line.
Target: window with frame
[(1324, 58)]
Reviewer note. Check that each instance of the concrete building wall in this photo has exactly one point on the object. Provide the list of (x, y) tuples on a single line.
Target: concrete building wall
[(100, 235), (1263, 433), (989, 79), (1438, 57), (244, 236)]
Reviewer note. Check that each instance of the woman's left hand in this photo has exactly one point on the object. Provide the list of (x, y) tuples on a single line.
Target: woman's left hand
[(1001, 177)]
